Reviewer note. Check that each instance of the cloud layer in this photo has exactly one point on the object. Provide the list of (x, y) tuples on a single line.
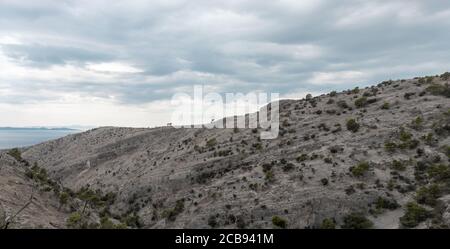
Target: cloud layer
[(119, 62)]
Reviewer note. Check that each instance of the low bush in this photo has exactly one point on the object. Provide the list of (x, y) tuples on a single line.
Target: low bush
[(428, 195), (398, 165), (383, 203), (447, 150), (75, 220), (417, 123), (385, 106), (16, 154), (212, 142), (361, 102), (279, 222), (328, 224), (445, 76), (360, 169), (356, 221), (439, 172), (414, 214), (269, 176), (352, 125), (439, 90), (171, 214), (342, 104), (404, 135), (390, 146)]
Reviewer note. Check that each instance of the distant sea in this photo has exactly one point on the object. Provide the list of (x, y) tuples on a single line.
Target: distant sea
[(21, 137)]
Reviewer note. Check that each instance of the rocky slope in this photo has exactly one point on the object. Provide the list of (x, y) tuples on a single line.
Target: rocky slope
[(40, 208), (374, 157)]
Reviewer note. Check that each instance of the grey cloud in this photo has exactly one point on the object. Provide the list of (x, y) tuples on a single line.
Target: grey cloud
[(43, 55), (218, 39)]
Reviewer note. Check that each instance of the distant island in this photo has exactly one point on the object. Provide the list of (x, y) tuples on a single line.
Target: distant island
[(37, 129)]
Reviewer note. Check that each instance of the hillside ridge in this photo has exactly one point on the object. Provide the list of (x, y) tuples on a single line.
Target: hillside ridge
[(374, 157)]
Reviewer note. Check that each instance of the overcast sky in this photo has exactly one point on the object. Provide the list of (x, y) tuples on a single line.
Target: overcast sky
[(93, 62)]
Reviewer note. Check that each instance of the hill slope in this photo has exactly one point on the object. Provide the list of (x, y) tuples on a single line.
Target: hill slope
[(322, 171)]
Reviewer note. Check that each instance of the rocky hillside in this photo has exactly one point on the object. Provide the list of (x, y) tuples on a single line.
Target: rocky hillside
[(23, 203), (363, 158)]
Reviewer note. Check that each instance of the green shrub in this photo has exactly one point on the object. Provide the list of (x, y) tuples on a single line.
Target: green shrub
[(414, 214), (40, 176), (428, 195), (352, 125), (404, 135), (120, 226), (16, 154), (428, 138), (342, 104), (382, 203), (447, 150), (398, 165), (106, 223), (445, 76), (133, 220), (385, 106), (410, 144), (361, 102), (439, 172), (279, 222), (439, 90), (328, 224), (356, 221), (212, 142), (360, 169), (63, 198), (390, 146), (90, 197), (171, 214), (270, 177), (417, 123), (333, 94), (75, 220)]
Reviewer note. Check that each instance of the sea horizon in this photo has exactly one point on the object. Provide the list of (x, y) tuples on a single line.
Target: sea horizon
[(18, 137)]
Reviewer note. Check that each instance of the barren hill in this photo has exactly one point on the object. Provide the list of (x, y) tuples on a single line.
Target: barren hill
[(374, 157)]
